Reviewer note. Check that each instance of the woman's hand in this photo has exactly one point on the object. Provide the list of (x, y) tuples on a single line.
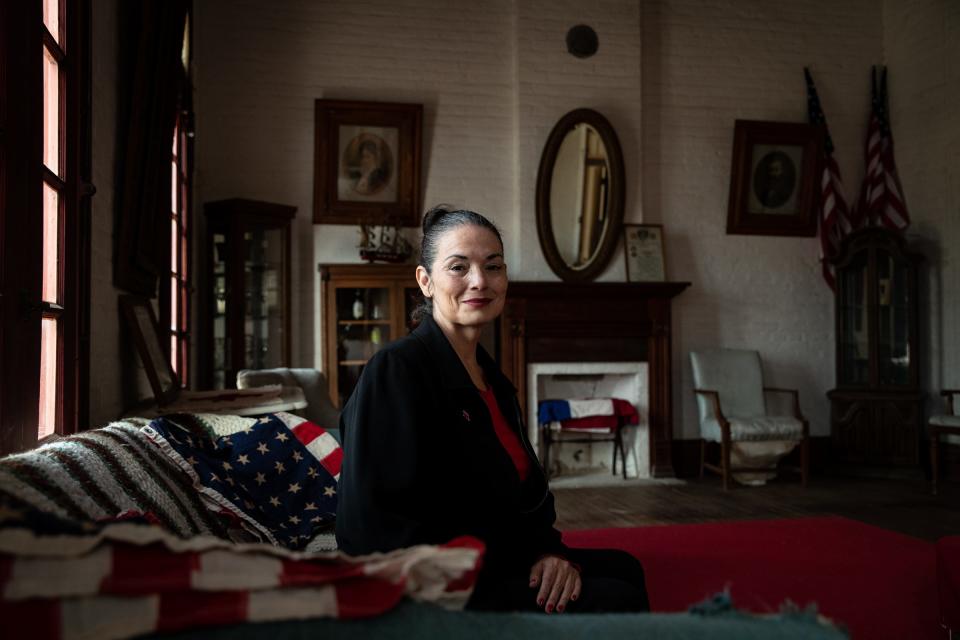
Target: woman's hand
[(559, 583)]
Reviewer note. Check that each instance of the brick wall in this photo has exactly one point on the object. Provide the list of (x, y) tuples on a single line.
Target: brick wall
[(671, 75), (922, 47)]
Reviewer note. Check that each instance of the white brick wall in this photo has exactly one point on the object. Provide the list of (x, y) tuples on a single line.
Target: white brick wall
[(922, 50), (671, 75)]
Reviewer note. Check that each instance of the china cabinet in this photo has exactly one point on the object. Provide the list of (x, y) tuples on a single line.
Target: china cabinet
[(876, 411), (365, 306), (247, 292)]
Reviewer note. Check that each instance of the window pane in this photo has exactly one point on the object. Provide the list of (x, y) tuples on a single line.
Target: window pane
[(51, 112), (51, 18), (51, 235), (183, 306), (173, 303), (48, 377), (173, 246), (173, 187)]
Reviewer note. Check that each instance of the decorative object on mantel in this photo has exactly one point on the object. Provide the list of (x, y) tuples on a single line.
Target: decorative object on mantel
[(580, 195), (643, 250), (773, 178), (367, 162), (383, 243)]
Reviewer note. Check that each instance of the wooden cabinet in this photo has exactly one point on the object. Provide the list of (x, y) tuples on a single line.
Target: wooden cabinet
[(246, 296), (365, 306), (876, 413)]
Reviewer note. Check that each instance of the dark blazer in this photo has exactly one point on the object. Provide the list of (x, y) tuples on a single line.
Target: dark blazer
[(422, 463)]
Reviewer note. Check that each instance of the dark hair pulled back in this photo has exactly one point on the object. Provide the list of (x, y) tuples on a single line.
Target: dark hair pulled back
[(437, 222)]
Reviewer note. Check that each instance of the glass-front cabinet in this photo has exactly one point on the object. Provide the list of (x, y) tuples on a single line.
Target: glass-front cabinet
[(248, 297), (876, 412), (365, 307)]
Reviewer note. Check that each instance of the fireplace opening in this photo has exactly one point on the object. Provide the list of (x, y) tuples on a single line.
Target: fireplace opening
[(586, 380)]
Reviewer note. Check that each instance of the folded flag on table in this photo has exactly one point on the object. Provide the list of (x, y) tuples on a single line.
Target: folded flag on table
[(587, 414), (276, 475), (125, 579)]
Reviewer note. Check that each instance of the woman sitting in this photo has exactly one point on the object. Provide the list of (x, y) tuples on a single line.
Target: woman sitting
[(434, 445)]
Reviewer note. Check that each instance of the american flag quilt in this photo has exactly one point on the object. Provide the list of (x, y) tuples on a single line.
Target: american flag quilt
[(83, 581), (274, 476)]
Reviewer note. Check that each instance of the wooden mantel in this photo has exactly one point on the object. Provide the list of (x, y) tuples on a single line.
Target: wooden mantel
[(590, 322)]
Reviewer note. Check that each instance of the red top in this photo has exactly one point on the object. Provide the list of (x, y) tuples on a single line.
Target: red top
[(508, 437)]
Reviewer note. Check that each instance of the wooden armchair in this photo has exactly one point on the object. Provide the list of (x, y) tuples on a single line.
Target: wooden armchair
[(942, 424), (730, 394)]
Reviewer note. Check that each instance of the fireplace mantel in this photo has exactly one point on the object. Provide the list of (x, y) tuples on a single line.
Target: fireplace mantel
[(584, 322)]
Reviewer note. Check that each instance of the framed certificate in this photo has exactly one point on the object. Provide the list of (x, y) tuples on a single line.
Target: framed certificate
[(643, 247)]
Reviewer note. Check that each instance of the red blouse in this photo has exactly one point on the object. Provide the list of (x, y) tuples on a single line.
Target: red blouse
[(508, 437)]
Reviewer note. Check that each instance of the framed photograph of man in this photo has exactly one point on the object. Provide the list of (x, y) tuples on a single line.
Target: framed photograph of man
[(367, 162), (773, 178)]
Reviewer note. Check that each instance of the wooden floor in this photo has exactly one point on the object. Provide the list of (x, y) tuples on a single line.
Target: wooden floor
[(900, 504)]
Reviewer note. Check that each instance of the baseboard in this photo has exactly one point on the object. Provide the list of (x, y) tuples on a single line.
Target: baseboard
[(686, 456)]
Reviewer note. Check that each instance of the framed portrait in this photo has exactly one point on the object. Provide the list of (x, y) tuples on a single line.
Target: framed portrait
[(643, 248), (774, 178), (143, 326), (367, 163)]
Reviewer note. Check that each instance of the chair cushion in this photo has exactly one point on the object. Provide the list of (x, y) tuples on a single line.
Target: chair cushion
[(736, 375), (755, 428)]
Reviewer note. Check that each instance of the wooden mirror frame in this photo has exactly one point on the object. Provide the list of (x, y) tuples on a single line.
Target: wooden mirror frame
[(616, 191)]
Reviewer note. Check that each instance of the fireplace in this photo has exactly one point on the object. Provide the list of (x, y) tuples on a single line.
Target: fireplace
[(599, 322), (577, 380)]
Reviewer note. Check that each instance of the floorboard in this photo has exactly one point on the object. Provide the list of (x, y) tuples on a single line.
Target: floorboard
[(904, 504)]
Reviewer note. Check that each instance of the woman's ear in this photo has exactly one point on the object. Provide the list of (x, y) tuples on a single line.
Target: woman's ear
[(423, 279)]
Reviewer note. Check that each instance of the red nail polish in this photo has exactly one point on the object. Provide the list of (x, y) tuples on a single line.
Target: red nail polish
[(540, 602), (549, 608), (560, 608), (573, 597)]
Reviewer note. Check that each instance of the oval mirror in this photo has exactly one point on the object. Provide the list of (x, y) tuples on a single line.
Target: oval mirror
[(580, 195)]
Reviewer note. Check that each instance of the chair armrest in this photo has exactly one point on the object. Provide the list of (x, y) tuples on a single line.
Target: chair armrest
[(715, 400), (796, 399)]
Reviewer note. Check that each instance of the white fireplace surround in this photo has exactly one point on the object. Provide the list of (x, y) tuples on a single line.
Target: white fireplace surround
[(568, 380)]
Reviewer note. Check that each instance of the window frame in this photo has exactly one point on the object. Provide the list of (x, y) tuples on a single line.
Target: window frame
[(23, 38), (182, 212)]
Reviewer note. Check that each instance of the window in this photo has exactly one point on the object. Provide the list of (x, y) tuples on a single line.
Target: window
[(176, 288), (44, 216)]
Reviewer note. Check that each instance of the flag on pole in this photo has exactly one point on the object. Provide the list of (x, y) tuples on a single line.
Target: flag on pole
[(834, 216), (881, 195)]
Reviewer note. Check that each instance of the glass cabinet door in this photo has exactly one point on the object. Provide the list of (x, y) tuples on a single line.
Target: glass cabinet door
[(263, 310), (893, 320), (364, 321), (221, 351), (854, 343)]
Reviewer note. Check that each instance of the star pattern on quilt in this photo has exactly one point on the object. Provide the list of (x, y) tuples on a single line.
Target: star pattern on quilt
[(271, 488)]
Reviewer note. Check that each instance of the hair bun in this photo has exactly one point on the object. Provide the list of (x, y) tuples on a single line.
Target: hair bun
[(433, 216)]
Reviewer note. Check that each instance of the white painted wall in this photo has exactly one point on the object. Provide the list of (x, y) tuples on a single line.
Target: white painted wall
[(671, 75), (922, 47), (106, 379)]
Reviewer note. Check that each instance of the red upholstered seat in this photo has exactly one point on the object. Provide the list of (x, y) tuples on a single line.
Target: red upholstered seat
[(948, 581)]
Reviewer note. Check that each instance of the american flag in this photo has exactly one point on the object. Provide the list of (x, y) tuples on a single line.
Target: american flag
[(275, 476), (881, 195), (63, 581), (835, 221)]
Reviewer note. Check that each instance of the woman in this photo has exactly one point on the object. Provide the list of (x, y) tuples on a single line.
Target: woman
[(434, 446)]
